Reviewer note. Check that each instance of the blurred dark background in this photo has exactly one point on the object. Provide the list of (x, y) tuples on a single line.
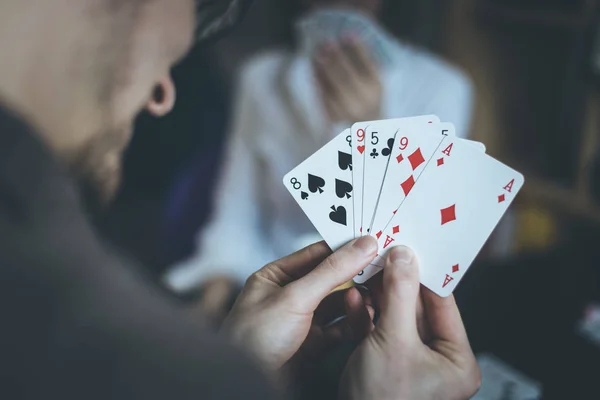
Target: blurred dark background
[(535, 65)]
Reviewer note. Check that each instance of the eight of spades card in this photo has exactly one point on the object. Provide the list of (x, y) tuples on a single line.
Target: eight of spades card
[(322, 186)]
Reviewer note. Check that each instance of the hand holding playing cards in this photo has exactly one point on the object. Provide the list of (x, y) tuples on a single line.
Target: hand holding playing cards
[(274, 313), (349, 81), (415, 351)]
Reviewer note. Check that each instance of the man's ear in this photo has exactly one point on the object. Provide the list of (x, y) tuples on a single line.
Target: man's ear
[(163, 97)]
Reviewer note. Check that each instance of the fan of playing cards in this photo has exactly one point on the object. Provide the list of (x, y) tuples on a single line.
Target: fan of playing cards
[(410, 182)]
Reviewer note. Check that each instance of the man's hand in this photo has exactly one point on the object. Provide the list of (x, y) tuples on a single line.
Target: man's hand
[(274, 313), (419, 348), (349, 82)]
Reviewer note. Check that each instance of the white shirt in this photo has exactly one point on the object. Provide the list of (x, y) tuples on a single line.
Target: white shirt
[(279, 122)]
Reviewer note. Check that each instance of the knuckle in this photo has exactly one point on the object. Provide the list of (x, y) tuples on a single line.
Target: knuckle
[(253, 280)]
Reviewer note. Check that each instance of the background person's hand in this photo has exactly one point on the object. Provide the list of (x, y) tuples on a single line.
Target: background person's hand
[(273, 315), (349, 82), (416, 351)]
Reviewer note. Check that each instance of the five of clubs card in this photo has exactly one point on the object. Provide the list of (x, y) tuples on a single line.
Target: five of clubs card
[(411, 182)]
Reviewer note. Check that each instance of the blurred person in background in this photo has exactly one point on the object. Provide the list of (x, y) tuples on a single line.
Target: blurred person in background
[(79, 322), (289, 104)]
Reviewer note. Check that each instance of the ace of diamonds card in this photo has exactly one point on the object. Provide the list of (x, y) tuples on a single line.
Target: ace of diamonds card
[(452, 210)]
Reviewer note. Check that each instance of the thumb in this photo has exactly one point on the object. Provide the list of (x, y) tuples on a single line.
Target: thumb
[(400, 293)]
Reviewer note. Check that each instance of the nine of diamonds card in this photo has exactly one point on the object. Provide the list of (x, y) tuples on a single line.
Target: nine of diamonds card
[(417, 185)]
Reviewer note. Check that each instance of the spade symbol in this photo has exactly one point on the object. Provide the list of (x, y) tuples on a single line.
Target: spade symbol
[(387, 151), (342, 189), (338, 215), (304, 195), (315, 183), (344, 161)]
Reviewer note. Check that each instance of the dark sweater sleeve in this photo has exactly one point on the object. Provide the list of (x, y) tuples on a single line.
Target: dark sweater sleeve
[(77, 323)]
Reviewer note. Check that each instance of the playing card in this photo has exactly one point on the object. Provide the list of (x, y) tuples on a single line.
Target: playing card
[(371, 141), (357, 139), (589, 326), (501, 382), (381, 137), (451, 211), (322, 186), (414, 145), (477, 145), (325, 26)]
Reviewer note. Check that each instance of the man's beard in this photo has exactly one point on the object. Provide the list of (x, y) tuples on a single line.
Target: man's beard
[(98, 170)]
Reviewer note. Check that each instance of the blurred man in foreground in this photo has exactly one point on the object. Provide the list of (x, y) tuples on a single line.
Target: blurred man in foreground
[(78, 322)]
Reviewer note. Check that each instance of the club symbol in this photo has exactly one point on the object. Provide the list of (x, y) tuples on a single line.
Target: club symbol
[(374, 154), (388, 150)]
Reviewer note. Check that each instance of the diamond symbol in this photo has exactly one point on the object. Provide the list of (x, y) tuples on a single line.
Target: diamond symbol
[(396, 229), (448, 214), (455, 268), (416, 159), (440, 162), (501, 198), (407, 185), (400, 158)]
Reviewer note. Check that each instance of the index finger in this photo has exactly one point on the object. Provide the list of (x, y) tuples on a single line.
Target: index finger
[(296, 265), (359, 55), (335, 270), (444, 318)]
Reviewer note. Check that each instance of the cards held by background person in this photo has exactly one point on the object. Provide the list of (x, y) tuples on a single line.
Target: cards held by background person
[(407, 181)]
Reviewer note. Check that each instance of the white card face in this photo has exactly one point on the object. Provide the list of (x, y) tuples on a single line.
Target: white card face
[(414, 146), (415, 143), (500, 381), (379, 146), (322, 186), (451, 211), (478, 145), (366, 137), (358, 137)]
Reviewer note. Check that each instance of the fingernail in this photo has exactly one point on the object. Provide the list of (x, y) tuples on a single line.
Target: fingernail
[(366, 245), (401, 255)]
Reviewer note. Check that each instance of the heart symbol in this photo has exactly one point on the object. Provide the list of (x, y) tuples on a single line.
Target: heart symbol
[(361, 149)]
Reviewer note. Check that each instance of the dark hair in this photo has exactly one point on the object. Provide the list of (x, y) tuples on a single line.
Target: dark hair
[(215, 18)]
